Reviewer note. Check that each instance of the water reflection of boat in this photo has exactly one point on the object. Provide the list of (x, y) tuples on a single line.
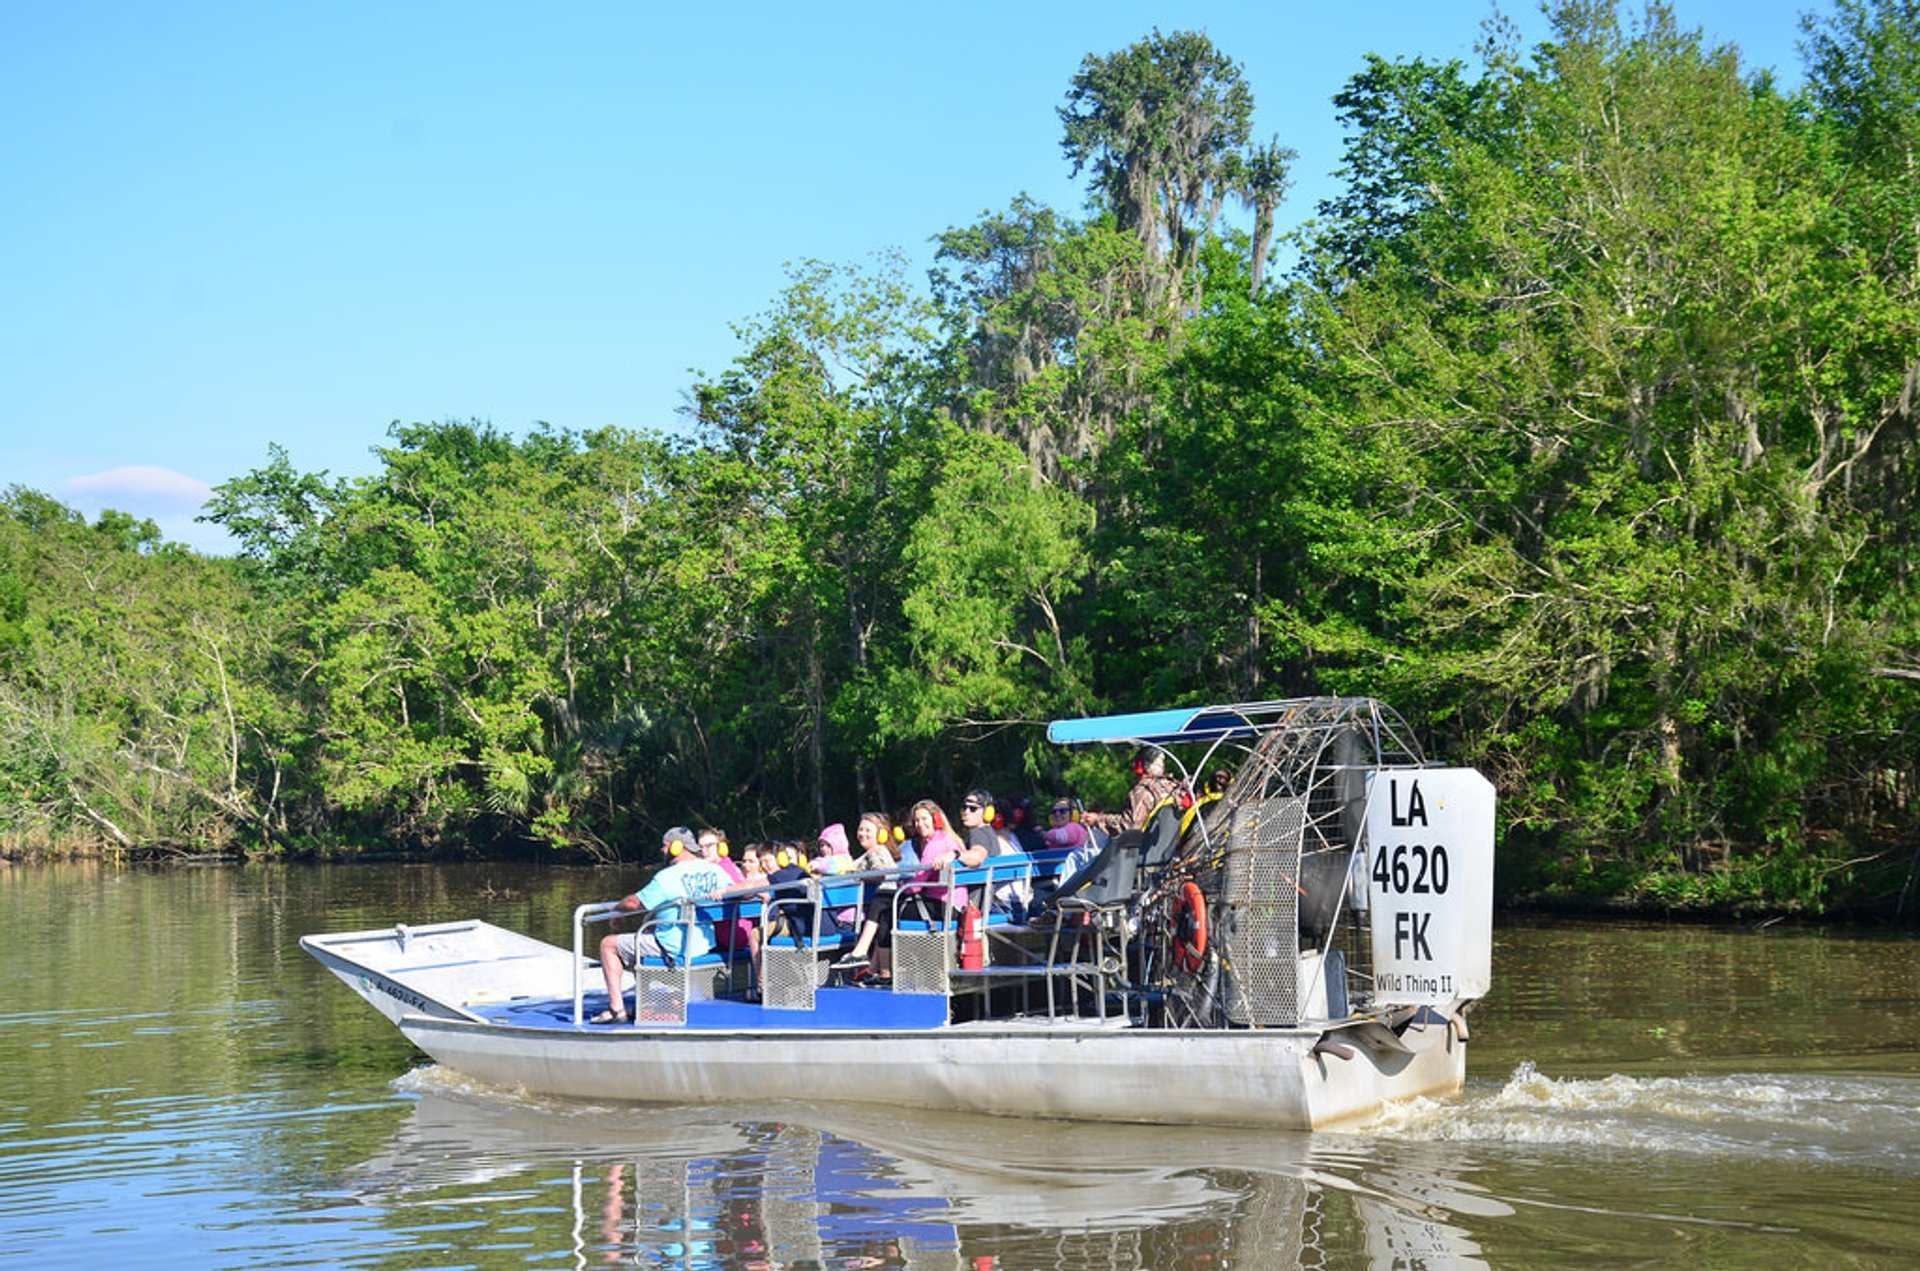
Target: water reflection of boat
[(834, 1184), (1295, 950)]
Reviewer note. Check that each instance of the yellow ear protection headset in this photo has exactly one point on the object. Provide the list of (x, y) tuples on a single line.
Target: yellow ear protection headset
[(783, 858), (674, 848)]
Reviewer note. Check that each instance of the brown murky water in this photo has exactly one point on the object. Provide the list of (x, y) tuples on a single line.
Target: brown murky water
[(181, 1086)]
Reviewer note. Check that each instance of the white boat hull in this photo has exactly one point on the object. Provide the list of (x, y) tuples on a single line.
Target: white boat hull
[(1267, 1077)]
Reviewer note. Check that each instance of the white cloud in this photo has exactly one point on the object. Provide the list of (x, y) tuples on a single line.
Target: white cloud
[(152, 489)]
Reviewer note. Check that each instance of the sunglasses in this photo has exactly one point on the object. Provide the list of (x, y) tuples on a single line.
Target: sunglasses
[(972, 807), (1059, 811)]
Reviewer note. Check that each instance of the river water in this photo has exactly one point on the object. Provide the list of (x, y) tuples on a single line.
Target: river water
[(180, 1086)]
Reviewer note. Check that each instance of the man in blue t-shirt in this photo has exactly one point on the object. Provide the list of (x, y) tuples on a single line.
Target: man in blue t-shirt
[(676, 936)]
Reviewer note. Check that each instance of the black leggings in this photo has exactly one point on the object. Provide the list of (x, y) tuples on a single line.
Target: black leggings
[(914, 908)]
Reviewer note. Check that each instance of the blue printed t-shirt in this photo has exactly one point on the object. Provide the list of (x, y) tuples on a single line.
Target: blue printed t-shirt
[(687, 879)]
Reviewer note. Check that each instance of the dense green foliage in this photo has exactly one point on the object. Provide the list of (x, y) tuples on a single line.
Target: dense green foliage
[(1580, 427)]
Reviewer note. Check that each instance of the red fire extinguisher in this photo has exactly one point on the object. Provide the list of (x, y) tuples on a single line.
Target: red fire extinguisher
[(973, 949)]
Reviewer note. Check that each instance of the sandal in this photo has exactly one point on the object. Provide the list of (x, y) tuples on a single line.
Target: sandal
[(609, 1017)]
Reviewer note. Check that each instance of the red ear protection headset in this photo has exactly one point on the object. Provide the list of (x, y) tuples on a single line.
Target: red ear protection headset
[(1144, 758)]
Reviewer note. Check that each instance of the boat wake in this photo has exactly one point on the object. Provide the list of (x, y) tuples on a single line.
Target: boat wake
[(1534, 1163), (1816, 1118)]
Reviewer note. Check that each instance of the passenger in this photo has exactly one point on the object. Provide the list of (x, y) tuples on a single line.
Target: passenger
[(830, 854), (875, 836), (791, 913), (934, 844), (979, 839), (1151, 785), (715, 850), (998, 818), (736, 932), (753, 867), (1082, 844), (984, 841), (757, 860), (874, 833), (830, 858), (1020, 825), (752, 889), (903, 850), (927, 899), (686, 877)]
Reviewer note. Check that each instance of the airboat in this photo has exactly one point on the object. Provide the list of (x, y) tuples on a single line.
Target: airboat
[(1294, 945)]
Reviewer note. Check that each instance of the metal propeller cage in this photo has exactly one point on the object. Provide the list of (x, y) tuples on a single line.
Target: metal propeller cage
[(1274, 858)]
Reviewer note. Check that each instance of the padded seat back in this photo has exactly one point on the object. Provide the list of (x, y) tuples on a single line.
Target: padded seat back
[(1108, 878), (1162, 835)]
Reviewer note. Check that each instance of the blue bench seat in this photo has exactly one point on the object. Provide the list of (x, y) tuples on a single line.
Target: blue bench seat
[(715, 956)]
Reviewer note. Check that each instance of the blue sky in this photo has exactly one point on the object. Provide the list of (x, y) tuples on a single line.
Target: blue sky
[(234, 224)]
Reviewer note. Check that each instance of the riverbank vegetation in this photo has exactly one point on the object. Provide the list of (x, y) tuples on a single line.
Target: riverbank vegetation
[(1580, 426)]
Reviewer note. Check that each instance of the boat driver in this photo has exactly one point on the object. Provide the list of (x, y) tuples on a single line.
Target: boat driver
[(672, 937), (1151, 787)]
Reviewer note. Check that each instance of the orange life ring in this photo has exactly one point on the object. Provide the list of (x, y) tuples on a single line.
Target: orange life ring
[(1190, 929)]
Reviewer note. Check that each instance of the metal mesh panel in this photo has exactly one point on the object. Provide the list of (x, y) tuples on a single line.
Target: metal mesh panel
[(921, 960), (1260, 913), (788, 978), (660, 995), (704, 983)]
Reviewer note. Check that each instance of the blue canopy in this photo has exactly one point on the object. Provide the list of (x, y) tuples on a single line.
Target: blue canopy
[(1160, 728)]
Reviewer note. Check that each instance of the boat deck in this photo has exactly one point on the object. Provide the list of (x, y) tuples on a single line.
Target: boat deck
[(836, 1009)]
